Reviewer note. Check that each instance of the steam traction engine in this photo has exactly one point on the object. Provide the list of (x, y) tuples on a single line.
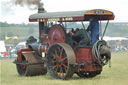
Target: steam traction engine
[(61, 51)]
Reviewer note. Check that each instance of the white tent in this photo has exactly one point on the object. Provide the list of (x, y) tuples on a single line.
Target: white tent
[(2, 46), (114, 38)]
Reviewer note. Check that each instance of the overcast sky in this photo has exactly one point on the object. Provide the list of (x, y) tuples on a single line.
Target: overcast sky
[(17, 14)]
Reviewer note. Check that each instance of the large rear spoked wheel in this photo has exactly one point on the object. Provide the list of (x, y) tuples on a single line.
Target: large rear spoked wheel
[(88, 74), (60, 60)]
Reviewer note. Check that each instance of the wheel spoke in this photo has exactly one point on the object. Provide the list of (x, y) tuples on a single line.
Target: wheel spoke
[(59, 48), (53, 61), (61, 72), (64, 59), (65, 67), (56, 69), (61, 51), (54, 66), (56, 53)]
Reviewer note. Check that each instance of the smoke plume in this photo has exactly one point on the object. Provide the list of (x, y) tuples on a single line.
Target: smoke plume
[(29, 3), (8, 7)]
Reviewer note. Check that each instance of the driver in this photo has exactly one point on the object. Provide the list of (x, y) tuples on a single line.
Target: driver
[(94, 29)]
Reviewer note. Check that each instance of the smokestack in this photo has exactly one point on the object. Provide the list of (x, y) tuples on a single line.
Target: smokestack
[(41, 24), (41, 10)]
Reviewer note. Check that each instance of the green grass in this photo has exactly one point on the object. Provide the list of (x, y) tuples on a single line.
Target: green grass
[(116, 75)]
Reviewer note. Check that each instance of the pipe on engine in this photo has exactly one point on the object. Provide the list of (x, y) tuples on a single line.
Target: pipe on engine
[(41, 24)]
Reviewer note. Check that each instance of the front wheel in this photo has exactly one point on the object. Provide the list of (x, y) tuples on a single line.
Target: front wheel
[(29, 65)]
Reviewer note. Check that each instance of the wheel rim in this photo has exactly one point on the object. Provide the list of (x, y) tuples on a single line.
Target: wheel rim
[(59, 62), (21, 68)]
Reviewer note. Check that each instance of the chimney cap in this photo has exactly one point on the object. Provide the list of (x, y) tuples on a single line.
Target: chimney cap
[(41, 10)]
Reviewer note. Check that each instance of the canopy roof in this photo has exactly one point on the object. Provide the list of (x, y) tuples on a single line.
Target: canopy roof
[(84, 15)]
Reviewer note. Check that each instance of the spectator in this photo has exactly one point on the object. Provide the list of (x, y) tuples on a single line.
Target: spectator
[(5, 54)]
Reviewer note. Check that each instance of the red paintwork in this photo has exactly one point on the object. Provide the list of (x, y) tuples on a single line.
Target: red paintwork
[(19, 58), (84, 55), (56, 34), (78, 18), (33, 20)]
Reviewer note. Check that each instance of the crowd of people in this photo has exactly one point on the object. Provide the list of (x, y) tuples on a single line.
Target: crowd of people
[(118, 45)]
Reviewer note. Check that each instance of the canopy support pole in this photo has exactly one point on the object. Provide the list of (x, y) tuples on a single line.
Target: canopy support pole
[(104, 30), (83, 25)]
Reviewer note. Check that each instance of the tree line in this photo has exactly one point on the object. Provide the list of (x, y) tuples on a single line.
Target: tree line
[(5, 24), (118, 29)]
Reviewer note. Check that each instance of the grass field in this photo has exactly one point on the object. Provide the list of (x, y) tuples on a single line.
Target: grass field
[(116, 75)]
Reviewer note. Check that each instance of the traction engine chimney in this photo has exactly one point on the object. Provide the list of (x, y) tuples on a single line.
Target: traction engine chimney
[(41, 23)]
